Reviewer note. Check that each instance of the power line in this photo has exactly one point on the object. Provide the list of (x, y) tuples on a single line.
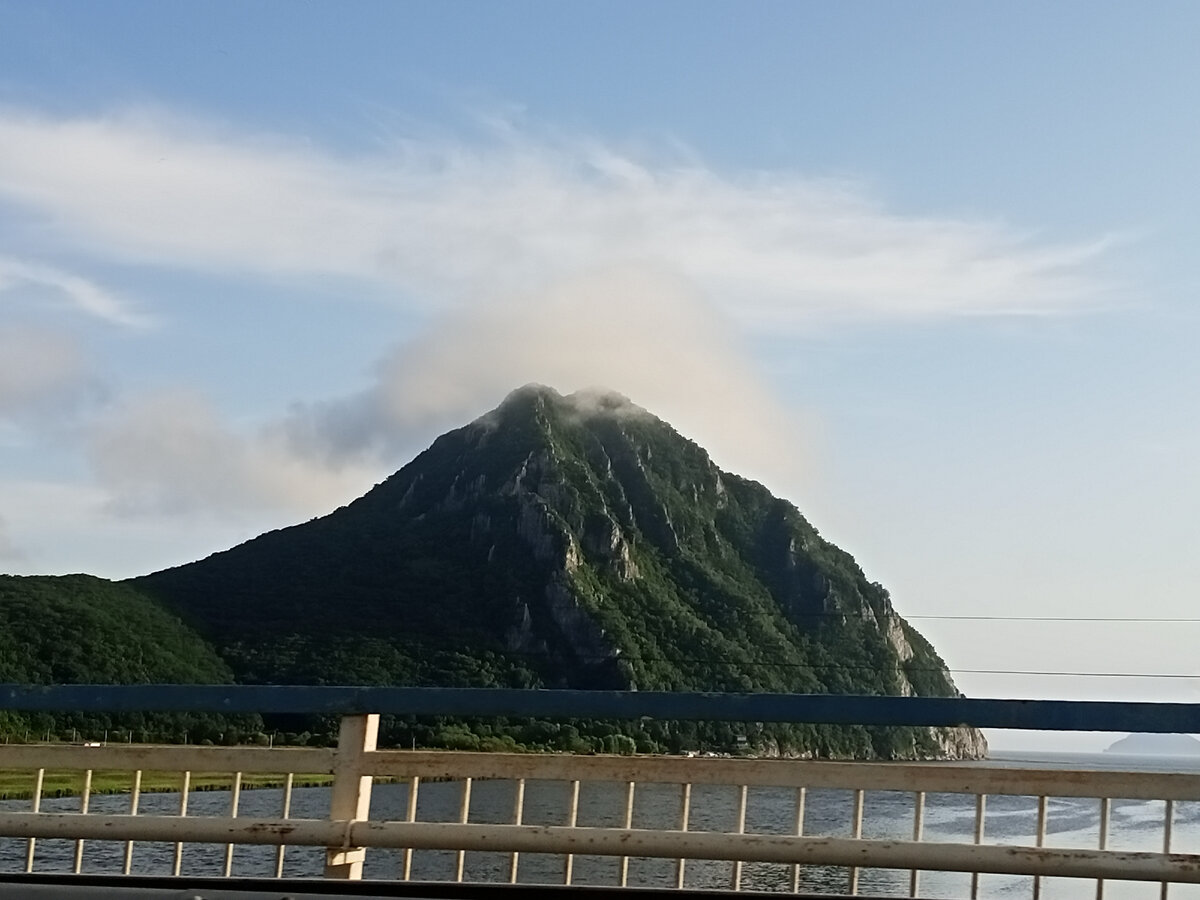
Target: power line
[(851, 667), (1166, 620), (1125, 619), (1072, 674), (1170, 620)]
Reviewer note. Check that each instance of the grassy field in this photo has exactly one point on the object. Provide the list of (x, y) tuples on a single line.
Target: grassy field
[(18, 784)]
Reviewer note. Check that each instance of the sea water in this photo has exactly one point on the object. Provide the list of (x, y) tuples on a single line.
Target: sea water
[(1071, 823)]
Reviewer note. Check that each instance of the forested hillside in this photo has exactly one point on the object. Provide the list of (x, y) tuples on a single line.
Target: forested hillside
[(568, 542), (77, 629)]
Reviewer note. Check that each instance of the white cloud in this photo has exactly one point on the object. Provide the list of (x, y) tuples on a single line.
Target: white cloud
[(84, 294), (553, 260), (444, 219), (42, 374), (635, 330), (171, 453), (64, 526)]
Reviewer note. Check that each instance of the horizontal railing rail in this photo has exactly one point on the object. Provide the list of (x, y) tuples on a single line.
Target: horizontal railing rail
[(439, 765), (831, 709), (930, 777), (620, 842), (178, 758)]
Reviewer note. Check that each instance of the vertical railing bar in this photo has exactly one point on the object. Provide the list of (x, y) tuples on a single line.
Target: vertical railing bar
[(624, 872), (801, 794), (285, 812), (1105, 814), (84, 799), (177, 863), (1040, 841), (414, 785), (235, 798), (39, 781), (350, 793), (980, 810), (134, 796), (914, 875), (572, 821), (464, 814), (856, 816), (685, 813), (735, 880), (1168, 826), (518, 815)]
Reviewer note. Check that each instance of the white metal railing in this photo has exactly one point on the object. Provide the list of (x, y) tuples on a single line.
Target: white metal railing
[(681, 833)]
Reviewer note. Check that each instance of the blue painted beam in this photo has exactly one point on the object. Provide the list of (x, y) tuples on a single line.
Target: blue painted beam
[(1051, 715)]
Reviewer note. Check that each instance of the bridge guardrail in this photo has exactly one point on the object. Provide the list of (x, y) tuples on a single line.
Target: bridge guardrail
[(349, 831)]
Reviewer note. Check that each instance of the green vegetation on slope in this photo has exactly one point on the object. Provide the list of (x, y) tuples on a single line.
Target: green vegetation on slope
[(557, 542), (77, 629)]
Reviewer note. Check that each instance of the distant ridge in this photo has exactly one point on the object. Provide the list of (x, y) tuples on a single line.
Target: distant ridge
[(1156, 745)]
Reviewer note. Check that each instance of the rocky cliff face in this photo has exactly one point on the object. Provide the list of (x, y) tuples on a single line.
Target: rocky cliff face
[(580, 541), (960, 743)]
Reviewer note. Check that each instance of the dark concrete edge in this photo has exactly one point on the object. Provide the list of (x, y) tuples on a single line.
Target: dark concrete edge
[(114, 887)]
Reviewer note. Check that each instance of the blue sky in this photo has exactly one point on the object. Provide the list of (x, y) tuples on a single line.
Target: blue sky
[(925, 269)]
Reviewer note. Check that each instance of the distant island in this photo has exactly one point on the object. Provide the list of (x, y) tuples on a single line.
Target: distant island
[(1156, 745)]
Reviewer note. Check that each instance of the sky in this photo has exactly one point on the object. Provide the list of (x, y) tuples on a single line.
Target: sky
[(926, 270)]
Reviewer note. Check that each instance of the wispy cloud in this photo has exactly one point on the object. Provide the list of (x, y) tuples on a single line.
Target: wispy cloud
[(82, 293), (636, 330), (443, 219), (171, 453), (536, 258)]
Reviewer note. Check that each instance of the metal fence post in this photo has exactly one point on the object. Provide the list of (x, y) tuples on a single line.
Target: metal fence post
[(350, 798)]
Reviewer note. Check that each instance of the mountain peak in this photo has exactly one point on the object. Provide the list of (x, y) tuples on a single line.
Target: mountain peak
[(530, 393), (594, 400), (569, 541)]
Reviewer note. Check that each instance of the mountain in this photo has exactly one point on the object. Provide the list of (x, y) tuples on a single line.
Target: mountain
[(571, 541), (76, 629), (1156, 745)]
